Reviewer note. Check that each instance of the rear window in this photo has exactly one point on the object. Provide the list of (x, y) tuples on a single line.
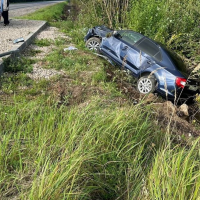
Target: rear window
[(178, 62), (148, 47)]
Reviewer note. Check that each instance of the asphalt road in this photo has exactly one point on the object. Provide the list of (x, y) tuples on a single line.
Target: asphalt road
[(16, 6)]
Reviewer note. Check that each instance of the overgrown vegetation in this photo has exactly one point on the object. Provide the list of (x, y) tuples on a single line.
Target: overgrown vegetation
[(18, 65), (78, 136), (174, 23)]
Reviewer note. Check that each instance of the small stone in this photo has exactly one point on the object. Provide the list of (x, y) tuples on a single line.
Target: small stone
[(169, 106), (183, 110)]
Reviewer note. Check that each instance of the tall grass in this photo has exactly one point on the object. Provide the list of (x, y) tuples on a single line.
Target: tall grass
[(89, 153), (175, 23), (175, 172), (79, 153)]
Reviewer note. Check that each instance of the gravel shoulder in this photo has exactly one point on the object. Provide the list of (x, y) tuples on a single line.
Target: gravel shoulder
[(15, 30), (50, 33)]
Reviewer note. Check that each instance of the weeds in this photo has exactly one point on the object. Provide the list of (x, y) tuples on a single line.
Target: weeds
[(19, 64), (42, 42)]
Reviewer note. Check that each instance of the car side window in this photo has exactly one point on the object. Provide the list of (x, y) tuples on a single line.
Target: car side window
[(130, 37), (150, 48)]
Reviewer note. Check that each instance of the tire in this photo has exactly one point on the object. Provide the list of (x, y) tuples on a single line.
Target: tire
[(93, 44), (146, 84)]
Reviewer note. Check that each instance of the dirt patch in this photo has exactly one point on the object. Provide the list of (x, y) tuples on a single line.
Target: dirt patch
[(52, 33), (39, 72), (65, 92), (40, 52), (167, 116)]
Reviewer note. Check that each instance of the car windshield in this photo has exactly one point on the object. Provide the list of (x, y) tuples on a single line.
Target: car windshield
[(129, 36)]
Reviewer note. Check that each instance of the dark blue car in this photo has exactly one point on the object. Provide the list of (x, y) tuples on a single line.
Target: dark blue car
[(156, 68)]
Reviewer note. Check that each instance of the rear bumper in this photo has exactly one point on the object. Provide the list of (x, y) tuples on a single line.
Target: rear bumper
[(187, 94)]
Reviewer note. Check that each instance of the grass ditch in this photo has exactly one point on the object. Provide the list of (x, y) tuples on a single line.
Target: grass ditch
[(78, 135)]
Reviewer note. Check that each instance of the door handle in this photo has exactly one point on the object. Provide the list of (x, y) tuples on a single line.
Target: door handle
[(125, 48), (149, 62)]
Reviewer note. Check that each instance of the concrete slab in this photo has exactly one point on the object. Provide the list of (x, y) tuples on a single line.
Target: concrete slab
[(27, 39)]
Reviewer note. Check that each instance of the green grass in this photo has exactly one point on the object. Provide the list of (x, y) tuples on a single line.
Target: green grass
[(172, 172), (42, 42), (50, 13), (77, 136)]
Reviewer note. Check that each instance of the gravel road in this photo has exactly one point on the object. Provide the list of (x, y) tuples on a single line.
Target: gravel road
[(50, 33)]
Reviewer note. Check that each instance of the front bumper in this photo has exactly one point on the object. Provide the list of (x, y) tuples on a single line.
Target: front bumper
[(88, 35)]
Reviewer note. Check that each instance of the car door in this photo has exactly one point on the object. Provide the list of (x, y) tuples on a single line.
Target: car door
[(134, 60), (131, 57), (111, 47), (122, 49)]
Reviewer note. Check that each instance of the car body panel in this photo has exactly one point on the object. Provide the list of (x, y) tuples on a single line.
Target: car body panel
[(124, 55)]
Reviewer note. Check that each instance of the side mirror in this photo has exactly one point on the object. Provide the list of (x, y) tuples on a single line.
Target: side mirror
[(116, 34)]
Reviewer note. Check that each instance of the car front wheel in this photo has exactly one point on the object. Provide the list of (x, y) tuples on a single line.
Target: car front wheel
[(146, 84), (93, 44)]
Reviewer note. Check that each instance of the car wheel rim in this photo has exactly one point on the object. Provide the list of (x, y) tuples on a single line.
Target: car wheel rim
[(93, 45), (145, 86)]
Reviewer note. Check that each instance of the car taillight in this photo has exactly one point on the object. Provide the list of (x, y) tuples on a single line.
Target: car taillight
[(180, 82)]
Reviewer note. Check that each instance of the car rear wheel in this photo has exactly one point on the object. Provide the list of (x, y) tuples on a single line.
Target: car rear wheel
[(93, 44), (146, 84)]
